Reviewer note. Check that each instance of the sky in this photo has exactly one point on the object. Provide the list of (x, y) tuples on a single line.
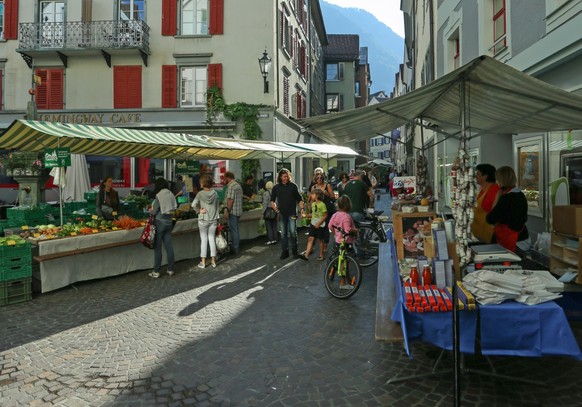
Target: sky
[(387, 11)]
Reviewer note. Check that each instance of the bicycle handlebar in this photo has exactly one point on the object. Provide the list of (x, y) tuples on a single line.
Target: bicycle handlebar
[(343, 232)]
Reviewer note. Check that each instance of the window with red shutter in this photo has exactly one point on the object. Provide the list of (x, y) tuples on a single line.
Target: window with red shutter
[(169, 86), (216, 17), (10, 19), (215, 75), (127, 86), (169, 17), (49, 93)]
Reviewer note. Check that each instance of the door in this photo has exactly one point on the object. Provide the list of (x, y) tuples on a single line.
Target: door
[(52, 23)]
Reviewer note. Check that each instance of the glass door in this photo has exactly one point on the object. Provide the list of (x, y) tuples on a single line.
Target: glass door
[(52, 27)]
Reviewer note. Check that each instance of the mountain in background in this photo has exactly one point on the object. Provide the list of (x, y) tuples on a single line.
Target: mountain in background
[(385, 47)]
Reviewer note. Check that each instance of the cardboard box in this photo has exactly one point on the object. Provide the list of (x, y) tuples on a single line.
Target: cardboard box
[(567, 219)]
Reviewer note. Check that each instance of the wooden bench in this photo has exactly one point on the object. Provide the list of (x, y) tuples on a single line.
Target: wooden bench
[(386, 329)]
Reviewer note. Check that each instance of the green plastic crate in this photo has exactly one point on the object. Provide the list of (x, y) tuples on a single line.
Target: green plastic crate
[(16, 271), (15, 291), (19, 214), (90, 196), (15, 251)]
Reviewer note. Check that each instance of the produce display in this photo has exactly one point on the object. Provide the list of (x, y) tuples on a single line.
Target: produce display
[(12, 241)]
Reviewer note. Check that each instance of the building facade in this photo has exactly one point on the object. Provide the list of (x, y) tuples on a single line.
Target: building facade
[(539, 37), (149, 65)]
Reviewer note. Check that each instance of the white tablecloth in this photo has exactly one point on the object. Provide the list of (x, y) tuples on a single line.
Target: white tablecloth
[(111, 261)]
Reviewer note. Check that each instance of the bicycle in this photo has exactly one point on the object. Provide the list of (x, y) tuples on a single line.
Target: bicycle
[(343, 275), (371, 234)]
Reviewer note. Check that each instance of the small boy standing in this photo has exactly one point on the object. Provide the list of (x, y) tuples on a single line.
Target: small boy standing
[(317, 226)]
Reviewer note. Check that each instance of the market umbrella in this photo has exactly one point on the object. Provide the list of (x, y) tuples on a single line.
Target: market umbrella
[(77, 179)]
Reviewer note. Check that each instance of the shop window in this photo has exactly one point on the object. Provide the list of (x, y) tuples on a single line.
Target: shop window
[(127, 86), (147, 170)]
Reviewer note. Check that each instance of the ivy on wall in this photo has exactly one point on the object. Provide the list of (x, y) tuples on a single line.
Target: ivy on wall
[(236, 112)]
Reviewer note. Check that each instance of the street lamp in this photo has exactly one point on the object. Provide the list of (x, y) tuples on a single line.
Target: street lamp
[(265, 65)]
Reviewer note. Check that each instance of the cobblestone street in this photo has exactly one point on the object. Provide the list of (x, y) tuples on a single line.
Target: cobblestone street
[(255, 331)]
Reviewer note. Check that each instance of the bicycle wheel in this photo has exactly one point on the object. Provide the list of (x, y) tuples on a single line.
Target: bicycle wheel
[(342, 283), (368, 246)]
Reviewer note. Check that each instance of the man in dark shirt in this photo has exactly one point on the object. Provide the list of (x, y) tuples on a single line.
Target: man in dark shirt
[(247, 187), (361, 196), (284, 200)]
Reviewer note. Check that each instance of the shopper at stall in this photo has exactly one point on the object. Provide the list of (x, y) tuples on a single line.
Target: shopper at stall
[(107, 203), (162, 210), (234, 200), (509, 211), (361, 196), (248, 188), (206, 205), (204, 169), (284, 200), (270, 224), (485, 178), (179, 188)]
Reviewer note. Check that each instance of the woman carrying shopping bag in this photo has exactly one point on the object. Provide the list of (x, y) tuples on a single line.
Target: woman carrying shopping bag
[(206, 204), (269, 215)]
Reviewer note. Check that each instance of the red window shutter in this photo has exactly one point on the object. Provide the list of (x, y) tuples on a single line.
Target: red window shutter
[(169, 17), (127, 87), (134, 86), (169, 85), (216, 17), (298, 104), (49, 94), (120, 87), (41, 90), (10, 19), (55, 91), (215, 76)]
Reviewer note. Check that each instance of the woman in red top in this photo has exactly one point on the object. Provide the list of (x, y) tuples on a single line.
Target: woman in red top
[(485, 178)]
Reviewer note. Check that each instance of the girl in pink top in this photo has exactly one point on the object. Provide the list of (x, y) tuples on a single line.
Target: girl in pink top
[(342, 219)]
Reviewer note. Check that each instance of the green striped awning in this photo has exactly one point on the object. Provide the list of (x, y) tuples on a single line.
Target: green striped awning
[(36, 136)]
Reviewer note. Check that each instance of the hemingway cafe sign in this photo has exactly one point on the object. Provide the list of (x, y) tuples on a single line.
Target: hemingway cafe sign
[(57, 157)]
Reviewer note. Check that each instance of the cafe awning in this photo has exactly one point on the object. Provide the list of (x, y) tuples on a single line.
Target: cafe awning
[(35, 136), (494, 98)]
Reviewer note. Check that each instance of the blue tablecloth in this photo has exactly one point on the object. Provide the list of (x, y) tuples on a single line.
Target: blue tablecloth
[(509, 328)]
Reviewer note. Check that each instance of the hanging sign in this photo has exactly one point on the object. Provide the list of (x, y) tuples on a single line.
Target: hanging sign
[(281, 165), (57, 157), (187, 167)]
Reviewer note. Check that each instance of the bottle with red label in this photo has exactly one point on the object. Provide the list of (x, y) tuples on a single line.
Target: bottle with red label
[(426, 275), (414, 276)]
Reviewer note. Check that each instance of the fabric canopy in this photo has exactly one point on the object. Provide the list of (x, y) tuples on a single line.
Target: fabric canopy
[(35, 136), (495, 98)]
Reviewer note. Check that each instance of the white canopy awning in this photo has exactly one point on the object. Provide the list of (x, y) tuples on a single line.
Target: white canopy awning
[(497, 99)]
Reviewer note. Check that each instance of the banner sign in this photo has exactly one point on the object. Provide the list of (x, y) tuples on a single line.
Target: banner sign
[(57, 157), (187, 167)]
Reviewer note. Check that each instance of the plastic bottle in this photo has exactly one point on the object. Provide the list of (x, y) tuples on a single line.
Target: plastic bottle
[(414, 276), (426, 276)]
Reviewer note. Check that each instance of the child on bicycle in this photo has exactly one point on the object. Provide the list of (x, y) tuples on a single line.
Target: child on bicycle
[(343, 220), (317, 228)]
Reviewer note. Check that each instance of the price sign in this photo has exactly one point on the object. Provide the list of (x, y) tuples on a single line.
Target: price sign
[(57, 157)]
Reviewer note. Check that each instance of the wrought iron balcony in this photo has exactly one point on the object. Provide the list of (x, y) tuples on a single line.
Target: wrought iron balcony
[(68, 38)]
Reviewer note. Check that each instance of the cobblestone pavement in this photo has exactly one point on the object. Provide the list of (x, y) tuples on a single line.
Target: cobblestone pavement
[(255, 331)]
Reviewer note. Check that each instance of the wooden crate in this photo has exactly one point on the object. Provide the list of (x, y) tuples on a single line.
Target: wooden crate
[(401, 223)]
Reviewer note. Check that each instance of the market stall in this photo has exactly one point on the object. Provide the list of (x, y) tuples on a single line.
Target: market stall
[(68, 260)]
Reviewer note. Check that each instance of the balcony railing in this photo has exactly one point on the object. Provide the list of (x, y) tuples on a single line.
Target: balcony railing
[(77, 35)]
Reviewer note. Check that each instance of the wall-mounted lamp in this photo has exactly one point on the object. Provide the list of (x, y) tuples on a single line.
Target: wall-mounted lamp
[(265, 65)]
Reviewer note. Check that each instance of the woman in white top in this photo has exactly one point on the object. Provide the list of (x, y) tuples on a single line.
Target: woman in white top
[(206, 204)]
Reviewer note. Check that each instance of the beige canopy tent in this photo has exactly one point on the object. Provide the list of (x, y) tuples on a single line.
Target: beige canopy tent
[(35, 136), (493, 97)]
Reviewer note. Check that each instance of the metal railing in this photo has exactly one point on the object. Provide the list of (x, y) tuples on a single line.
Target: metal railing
[(84, 35)]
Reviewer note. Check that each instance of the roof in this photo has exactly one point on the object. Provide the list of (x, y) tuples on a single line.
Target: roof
[(342, 47), (36, 136), (493, 97)]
